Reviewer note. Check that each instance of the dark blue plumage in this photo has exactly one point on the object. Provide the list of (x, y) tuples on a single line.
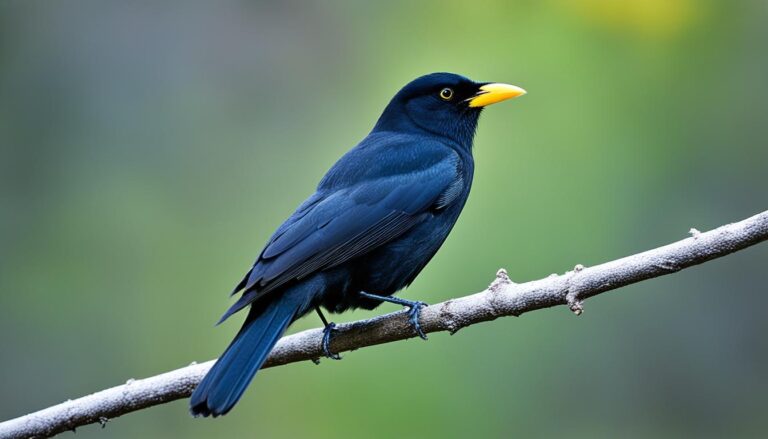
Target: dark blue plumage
[(375, 220)]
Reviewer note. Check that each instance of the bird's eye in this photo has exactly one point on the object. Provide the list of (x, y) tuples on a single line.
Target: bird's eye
[(446, 94)]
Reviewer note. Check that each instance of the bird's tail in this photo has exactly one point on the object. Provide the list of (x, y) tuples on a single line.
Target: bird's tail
[(225, 383)]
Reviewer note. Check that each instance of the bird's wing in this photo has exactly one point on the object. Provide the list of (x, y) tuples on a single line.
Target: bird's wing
[(330, 229)]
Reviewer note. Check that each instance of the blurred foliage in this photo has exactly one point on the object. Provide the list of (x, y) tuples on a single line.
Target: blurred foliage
[(148, 150), (649, 20)]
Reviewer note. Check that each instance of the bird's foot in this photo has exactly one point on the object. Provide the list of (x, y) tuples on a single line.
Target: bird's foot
[(413, 316), (327, 334)]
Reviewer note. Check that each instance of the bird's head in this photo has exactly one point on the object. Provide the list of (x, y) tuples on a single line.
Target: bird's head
[(443, 104)]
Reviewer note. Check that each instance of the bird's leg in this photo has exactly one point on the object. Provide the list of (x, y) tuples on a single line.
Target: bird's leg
[(327, 334), (413, 314)]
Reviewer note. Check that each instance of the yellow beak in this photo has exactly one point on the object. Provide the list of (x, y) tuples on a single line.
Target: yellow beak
[(493, 93)]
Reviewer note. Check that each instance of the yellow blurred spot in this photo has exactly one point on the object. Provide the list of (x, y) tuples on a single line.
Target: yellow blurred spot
[(652, 19)]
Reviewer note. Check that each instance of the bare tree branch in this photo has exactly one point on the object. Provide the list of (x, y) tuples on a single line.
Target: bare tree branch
[(502, 298)]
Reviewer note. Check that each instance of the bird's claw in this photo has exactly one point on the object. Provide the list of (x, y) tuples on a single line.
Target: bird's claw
[(413, 313), (327, 334), (413, 316)]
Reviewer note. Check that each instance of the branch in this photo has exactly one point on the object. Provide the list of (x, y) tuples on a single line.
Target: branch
[(502, 298)]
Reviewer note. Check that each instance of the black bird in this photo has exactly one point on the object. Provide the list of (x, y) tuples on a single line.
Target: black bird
[(376, 219)]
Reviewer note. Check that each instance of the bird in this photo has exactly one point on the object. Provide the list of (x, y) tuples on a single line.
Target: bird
[(375, 220)]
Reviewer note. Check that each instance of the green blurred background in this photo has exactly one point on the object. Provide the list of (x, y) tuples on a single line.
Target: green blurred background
[(148, 150)]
